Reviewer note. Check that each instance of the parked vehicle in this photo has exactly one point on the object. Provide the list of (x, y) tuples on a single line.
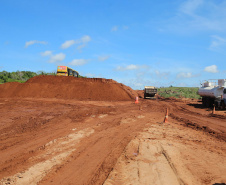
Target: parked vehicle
[(66, 71), (149, 91), (213, 93)]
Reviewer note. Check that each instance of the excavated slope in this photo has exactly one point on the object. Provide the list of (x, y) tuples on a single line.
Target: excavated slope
[(94, 89)]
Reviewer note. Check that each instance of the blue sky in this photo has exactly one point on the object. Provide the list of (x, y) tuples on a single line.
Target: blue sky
[(138, 43)]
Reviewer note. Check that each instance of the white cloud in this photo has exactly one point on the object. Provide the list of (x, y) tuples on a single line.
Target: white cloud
[(34, 42), (162, 74), (114, 28), (119, 68), (198, 15), (129, 67), (125, 27), (78, 62), (57, 58), (46, 53), (103, 58), (81, 46), (189, 7), (217, 43), (67, 44), (185, 75), (211, 69), (83, 41)]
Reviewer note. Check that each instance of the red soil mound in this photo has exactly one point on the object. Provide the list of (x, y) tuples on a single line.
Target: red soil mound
[(96, 89)]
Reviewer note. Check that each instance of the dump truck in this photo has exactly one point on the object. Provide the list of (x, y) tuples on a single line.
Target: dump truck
[(149, 91), (66, 71), (213, 93)]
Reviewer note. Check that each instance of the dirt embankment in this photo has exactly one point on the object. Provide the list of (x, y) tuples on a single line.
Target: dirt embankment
[(93, 89)]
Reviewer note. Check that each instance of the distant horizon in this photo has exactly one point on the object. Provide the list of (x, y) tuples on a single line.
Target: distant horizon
[(100, 77)]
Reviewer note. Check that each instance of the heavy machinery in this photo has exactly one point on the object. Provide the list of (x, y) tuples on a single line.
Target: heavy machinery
[(66, 71), (149, 91), (213, 93)]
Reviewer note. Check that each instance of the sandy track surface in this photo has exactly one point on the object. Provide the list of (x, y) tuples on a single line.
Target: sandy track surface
[(52, 141)]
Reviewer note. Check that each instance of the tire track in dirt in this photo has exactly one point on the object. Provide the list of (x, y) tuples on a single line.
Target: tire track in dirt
[(115, 124), (98, 154), (157, 156), (164, 152), (199, 125), (56, 151), (143, 163), (18, 147), (214, 125)]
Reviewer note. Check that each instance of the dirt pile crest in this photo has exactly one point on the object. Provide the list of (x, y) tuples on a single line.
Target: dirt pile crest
[(92, 89)]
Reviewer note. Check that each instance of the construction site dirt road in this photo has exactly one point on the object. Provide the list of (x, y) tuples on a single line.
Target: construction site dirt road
[(91, 136)]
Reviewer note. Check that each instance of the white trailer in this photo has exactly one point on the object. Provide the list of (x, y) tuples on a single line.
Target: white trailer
[(213, 93)]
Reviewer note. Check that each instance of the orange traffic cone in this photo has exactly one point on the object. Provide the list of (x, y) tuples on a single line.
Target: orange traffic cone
[(166, 117), (136, 101), (213, 109)]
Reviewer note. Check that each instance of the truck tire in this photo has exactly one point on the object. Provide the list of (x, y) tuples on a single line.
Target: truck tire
[(223, 105), (216, 103), (204, 102), (209, 102)]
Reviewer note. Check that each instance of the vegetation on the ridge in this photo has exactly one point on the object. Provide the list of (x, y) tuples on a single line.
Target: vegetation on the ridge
[(179, 92), (21, 76)]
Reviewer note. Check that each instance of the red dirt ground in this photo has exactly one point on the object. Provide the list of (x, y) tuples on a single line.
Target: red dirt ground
[(63, 130)]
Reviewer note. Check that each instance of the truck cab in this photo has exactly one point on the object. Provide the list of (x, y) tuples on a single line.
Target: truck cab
[(149, 91)]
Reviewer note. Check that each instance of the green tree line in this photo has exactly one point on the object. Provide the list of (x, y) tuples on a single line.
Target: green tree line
[(20, 76)]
